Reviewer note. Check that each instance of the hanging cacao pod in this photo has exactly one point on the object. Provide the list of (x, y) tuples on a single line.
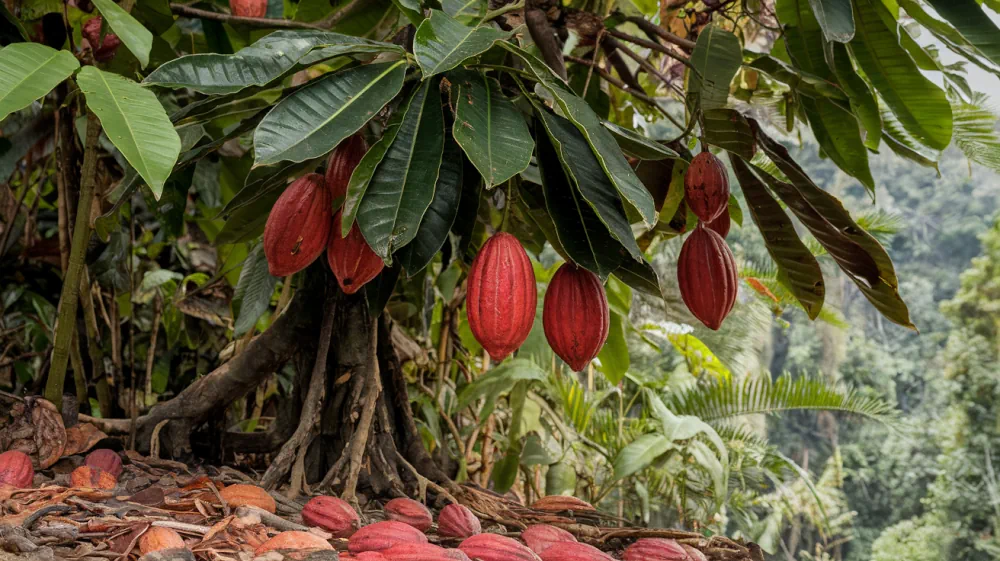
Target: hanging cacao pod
[(351, 259), (575, 315), (103, 50), (706, 187), (248, 8), (341, 164), (298, 226), (706, 275), (501, 296), (721, 224)]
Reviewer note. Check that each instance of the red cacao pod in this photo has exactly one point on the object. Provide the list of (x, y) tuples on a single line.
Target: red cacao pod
[(293, 539), (409, 511), (501, 296), (574, 551), (362, 556), (298, 226), (332, 514), (457, 521), (248, 495), (383, 535), (87, 477), (416, 552), (108, 460), (341, 164), (543, 536), (16, 469), (248, 8), (351, 259), (560, 503), (103, 50), (493, 547), (456, 554), (575, 315), (721, 224), (655, 549), (706, 275), (706, 187), (694, 554), (158, 538)]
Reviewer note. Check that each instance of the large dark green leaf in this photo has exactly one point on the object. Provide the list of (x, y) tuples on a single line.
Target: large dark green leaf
[(247, 222), (265, 179), (716, 58), (28, 71), (729, 130), (365, 169), (442, 43), (403, 184), (440, 215), (863, 103), (805, 83), (313, 120), (797, 267), (835, 18), (641, 276), (637, 145), (489, 128), (972, 22), (919, 104), (253, 292), (136, 38)]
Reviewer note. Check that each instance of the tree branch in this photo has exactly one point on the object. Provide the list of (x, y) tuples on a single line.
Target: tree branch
[(545, 38), (651, 28), (649, 45), (189, 12)]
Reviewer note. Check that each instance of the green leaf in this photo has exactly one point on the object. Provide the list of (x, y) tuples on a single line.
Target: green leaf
[(13, 31), (918, 103), (839, 137), (365, 169), (247, 222), (614, 355), (437, 221), (729, 130), (716, 58), (28, 71), (863, 103), (252, 296), (640, 276), (489, 128), (976, 134), (137, 38), (135, 122), (640, 454), (403, 184), (499, 380), (464, 8), (637, 145), (835, 18), (265, 179), (805, 82), (796, 264), (972, 22), (313, 120), (505, 470), (442, 43)]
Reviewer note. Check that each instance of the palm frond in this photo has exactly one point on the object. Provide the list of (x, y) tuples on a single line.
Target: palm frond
[(974, 131)]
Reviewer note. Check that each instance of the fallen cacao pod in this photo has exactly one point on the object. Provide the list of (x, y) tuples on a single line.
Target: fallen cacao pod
[(351, 259), (298, 226), (16, 469), (457, 521), (706, 187), (248, 495), (409, 511), (108, 460), (575, 315), (560, 503), (362, 556), (542, 536), (706, 276), (248, 8), (332, 514), (293, 539), (456, 554), (103, 50), (383, 535), (416, 552), (493, 547), (694, 554), (340, 166), (655, 549), (574, 551), (158, 538), (501, 295), (87, 477)]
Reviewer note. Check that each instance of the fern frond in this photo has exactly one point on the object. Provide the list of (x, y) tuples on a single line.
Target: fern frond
[(974, 127)]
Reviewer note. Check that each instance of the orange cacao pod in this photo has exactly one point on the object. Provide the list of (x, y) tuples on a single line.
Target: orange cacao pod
[(298, 226), (721, 224), (655, 549), (341, 164), (574, 551), (694, 554), (408, 551), (409, 511), (88, 477), (103, 50), (248, 8), (492, 547), (158, 538), (351, 259), (706, 187), (706, 275), (560, 503), (16, 469), (293, 539), (108, 460), (575, 315), (383, 535), (542, 536), (457, 521), (248, 495), (332, 514), (501, 296)]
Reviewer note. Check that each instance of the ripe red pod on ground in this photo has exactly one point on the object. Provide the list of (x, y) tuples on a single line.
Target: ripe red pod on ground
[(721, 224), (332, 514), (493, 547), (351, 259), (457, 521), (86, 477), (248, 8), (108, 460), (103, 50), (383, 535), (574, 551), (655, 549), (362, 556), (501, 295), (706, 275), (416, 552), (293, 539), (575, 315), (409, 511), (706, 186), (298, 226), (341, 163), (543, 536), (16, 469)]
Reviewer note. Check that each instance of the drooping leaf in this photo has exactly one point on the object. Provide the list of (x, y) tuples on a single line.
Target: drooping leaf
[(729, 130), (437, 221), (247, 222), (365, 169), (803, 81), (640, 454), (972, 22), (637, 145), (253, 292), (863, 103), (264, 179), (442, 42), (135, 122), (836, 19), (28, 71), (489, 128), (716, 58), (403, 184), (313, 120), (640, 276), (136, 38)]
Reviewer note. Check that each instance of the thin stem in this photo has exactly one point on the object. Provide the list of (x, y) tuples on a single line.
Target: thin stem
[(189, 12), (650, 45), (492, 15), (651, 28)]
